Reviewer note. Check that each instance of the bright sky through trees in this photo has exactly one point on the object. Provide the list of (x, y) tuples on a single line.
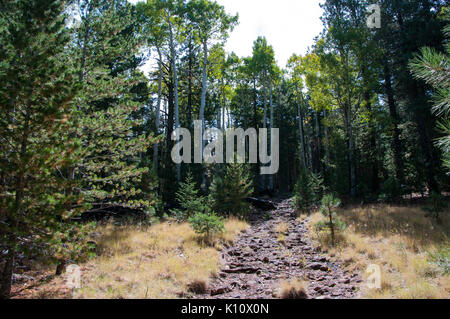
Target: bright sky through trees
[(289, 25)]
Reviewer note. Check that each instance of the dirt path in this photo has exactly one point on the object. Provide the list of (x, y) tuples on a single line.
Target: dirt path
[(255, 266)]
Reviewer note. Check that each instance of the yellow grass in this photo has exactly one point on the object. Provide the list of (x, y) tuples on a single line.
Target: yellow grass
[(282, 228), (399, 240), (163, 261)]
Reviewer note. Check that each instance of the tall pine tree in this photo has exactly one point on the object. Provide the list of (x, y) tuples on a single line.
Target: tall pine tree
[(35, 152)]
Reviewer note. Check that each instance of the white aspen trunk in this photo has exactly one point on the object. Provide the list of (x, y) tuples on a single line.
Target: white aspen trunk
[(300, 125), (158, 108), (271, 127), (203, 101), (175, 79)]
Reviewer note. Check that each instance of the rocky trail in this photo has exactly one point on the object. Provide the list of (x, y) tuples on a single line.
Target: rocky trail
[(259, 261)]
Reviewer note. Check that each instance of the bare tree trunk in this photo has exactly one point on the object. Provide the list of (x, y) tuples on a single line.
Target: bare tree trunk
[(190, 66), (271, 126), (8, 268), (396, 144), (203, 101), (175, 79), (302, 133), (351, 157), (6, 276), (327, 150), (158, 108), (263, 177)]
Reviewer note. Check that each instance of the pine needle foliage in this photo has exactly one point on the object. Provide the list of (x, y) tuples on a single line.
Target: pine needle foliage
[(228, 193)]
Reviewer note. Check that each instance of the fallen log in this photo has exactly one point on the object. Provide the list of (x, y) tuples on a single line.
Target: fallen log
[(261, 203)]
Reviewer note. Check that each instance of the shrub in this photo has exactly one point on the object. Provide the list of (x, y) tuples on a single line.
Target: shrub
[(207, 225)]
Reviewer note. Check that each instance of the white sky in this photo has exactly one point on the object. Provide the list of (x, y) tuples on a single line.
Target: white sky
[(289, 25)]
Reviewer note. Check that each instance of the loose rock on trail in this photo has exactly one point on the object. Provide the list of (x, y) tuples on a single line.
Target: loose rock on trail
[(259, 262)]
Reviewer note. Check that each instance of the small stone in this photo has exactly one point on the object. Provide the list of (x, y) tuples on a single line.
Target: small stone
[(316, 266), (220, 291)]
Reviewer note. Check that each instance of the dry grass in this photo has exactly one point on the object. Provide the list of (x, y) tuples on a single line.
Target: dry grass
[(398, 239), (294, 289), (282, 228), (159, 262)]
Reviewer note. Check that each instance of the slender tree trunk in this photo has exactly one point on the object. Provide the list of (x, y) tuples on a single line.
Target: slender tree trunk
[(302, 133), (424, 122), (203, 101), (8, 268), (255, 114), (7, 272), (175, 80), (396, 144), (263, 177), (158, 108), (326, 144), (316, 151), (219, 114), (271, 127), (169, 130), (351, 155), (375, 180), (190, 67)]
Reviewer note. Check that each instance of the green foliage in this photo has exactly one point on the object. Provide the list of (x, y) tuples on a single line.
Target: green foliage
[(441, 258), (188, 198), (317, 187), (105, 56), (436, 205), (37, 203), (228, 193), (391, 190), (308, 190), (303, 195), (207, 225), (433, 67), (329, 203)]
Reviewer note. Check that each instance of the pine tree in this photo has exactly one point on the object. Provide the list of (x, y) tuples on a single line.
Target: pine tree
[(434, 68), (317, 187), (333, 223), (188, 198), (37, 89), (303, 195), (228, 193), (107, 55)]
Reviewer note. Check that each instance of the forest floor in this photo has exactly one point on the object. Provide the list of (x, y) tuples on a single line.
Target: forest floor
[(276, 254)]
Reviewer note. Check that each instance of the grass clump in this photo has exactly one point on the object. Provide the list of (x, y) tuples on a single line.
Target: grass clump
[(294, 289)]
